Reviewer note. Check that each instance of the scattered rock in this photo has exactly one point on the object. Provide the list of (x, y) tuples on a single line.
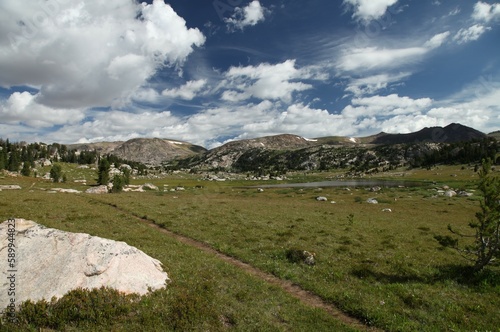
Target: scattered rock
[(333, 202), (149, 186), (10, 187), (133, 187), (376, 188), (180, 189), (450, 193), (260, 190), (386, 210), (52, 262), (446, 187), (321, 199), (309, 258), (63, 190), (463, 193), (371, 201), (300, 256), (97, 190)]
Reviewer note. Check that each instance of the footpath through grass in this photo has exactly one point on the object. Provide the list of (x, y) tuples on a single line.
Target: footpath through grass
[(383, 267)]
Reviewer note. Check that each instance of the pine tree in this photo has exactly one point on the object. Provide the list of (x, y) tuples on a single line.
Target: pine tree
[(14, 160), (485, 248), (103, 172), (26, 170), (56, 173)]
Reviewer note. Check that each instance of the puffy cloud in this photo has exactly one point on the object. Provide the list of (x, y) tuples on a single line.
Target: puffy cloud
[(23, 108), (247, 16), (116, 126), (92, 53), (301, 120), (484, 12), (187, 92), (367, 10), (383, 106), (266, 81), (470, 34)]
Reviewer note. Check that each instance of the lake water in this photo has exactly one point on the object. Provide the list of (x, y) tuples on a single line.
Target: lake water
[(345, 183)]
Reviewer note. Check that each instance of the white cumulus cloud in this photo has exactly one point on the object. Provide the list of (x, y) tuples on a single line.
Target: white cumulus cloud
[(484, 12), (247, 16), (91, 53), (187, 92), (367, 10), (265, 81), (22, 108)]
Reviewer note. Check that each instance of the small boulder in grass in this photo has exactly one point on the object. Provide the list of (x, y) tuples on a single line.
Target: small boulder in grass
[(300, 256), (321, 199)]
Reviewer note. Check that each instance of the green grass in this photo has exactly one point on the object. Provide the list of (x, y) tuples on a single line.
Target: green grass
[(385, 268)]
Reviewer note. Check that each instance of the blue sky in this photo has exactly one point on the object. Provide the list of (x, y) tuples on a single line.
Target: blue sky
[(211, 71)]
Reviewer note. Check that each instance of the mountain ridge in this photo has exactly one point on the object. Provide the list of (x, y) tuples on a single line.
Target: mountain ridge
[(155, 151)]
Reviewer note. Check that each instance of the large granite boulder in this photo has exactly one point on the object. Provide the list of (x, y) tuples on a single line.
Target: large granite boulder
[(98, 190), (51, 262)]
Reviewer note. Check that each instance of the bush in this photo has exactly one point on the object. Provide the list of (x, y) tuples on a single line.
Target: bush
[(79, 307)]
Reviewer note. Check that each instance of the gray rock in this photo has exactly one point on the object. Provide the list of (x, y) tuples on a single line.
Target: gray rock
[(98, 190), (321, 199), (51, 262), (309, 258), (371, 201), (376, 188), (10, 187), (149, 186), (450, 193), (63, 190)]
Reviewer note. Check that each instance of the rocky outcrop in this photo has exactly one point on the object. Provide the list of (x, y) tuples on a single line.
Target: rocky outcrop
[(98, 190), (51, 262), (10, 187)]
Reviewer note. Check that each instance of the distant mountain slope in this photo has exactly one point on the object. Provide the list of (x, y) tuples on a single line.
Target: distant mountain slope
[(151, 151), (154, 151), (297, 152), (495, 135), (225, 155), (452, 133)]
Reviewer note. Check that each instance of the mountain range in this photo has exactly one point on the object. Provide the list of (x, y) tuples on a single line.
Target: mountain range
[(157, 151)]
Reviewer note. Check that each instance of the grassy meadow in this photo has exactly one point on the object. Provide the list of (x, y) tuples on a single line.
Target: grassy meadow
[(383, 268)]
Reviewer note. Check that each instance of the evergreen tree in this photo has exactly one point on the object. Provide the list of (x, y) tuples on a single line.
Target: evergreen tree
[(103, 172), (26, 170), (118, 183), (56, 173), (126, 176), (3, 158), (14, 160), (485, 248)]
